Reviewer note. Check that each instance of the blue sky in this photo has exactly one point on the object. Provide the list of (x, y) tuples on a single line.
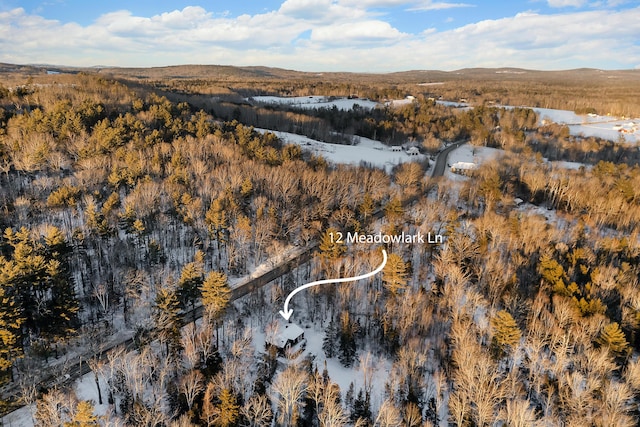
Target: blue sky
[(325, 35)]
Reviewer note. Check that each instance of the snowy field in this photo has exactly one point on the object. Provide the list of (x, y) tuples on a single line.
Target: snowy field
[(478, 155), (605, 127), (469, 154), (367, 150), (317, 102)]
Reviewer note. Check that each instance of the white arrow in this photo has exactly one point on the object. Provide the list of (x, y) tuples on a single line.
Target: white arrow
[(287, 312)]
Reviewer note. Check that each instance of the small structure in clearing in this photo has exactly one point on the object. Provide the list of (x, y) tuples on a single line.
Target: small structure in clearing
[(413, 151), (289, 341), (463, 168)]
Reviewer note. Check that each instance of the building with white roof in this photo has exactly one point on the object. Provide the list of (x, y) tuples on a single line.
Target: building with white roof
[(289, 340), (464, 168)]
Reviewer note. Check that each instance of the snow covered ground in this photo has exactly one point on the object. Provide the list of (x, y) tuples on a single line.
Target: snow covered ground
[(85, 389), (314, 334), (317, 102), (367, 150), (569, 165), (605, 127), (478, 155), (469, 154), (453, 104)]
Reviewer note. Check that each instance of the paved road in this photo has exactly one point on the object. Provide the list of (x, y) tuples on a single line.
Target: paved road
[(441, 159)]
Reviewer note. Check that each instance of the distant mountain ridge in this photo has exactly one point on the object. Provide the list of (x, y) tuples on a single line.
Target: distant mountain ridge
[(272, 73)]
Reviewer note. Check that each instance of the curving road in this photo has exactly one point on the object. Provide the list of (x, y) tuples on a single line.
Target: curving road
[(441, 159)]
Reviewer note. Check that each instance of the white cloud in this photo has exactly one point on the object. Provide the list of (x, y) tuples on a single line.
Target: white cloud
[(322, 11), (348, 33), (305, 8), (590, 3), (436, 5), (342, 37), (375, 3), (567, 3)]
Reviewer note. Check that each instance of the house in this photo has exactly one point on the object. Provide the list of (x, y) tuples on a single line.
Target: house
[(463, 168), (396, 148), (289, 340), (413, 151)]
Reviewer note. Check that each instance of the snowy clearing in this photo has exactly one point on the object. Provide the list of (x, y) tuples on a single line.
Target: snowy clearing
[(605, 127), (365, 151), (314, 335), (569, 165), (469, 154), (317, 102)]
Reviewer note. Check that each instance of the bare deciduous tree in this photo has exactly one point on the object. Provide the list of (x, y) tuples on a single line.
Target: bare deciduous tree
[(290, 387), (191, 385), (518, 413), (257, 411), (388, 415)]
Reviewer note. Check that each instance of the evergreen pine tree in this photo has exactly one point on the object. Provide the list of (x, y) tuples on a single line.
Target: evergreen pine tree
[(350, 396), (553, 274), (215, 297), (394, 274), (166, 314), (191, 279), (431, 413), (246, 188), (506, 333), (346, 341), (10, 321), (40, 281), (216, 219), (362, 408), (325, 374), (332, 245), (83, 416), (228, 409), (215, 293), (393, 210), (328, 343), (613, 338)]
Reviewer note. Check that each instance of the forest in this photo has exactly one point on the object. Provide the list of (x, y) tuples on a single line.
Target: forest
[(131, 207)]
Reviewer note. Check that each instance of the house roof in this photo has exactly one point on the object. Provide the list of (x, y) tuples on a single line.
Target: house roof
[(464, 166), (291, 331)]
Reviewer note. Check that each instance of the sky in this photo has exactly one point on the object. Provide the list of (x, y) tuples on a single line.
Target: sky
[(324, 35)]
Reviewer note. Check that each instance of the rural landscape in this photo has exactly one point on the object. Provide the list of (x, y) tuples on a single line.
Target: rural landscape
[(320, 213), (154, 221)]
